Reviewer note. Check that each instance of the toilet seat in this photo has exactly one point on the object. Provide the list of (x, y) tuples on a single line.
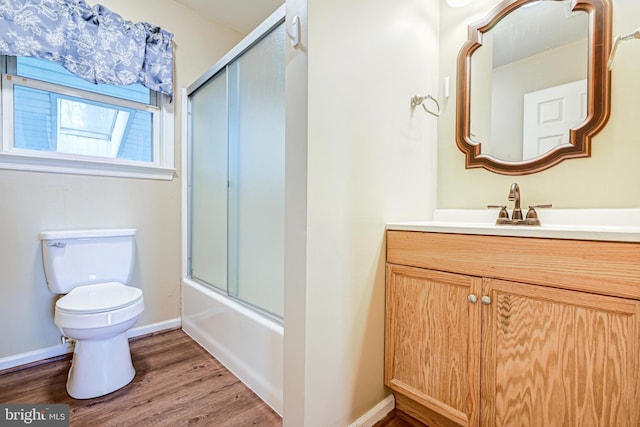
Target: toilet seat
[(98, 305), (98, 297)]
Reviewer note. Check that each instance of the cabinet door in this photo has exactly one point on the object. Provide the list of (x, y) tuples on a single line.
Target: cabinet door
[(432, 343), (553, 357)]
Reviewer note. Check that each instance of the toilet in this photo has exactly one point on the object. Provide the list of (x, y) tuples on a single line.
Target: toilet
[(91, 269)]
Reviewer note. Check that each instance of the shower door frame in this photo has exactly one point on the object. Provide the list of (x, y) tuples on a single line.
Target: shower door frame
[(253, 38)]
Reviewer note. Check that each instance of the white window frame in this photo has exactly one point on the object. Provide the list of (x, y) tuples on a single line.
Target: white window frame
[(162, 167)]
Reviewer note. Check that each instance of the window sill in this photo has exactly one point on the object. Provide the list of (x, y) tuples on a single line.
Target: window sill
[(84, 167)]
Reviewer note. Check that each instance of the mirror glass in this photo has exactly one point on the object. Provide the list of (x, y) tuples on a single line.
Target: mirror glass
[(533, 85), (530, 81)]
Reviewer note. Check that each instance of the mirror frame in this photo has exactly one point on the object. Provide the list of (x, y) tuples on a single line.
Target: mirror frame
[(598, 86)]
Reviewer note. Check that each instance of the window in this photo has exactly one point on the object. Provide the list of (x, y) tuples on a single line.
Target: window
[(57, 122)]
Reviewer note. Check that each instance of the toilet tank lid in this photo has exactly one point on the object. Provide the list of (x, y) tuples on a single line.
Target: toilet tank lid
[(86, 233)]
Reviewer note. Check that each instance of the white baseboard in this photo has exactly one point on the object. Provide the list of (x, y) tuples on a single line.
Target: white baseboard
[(34, 356), (376, 413), (155, 327), (60, 349)]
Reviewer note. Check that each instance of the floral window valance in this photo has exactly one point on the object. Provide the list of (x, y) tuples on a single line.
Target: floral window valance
[(91, 42)]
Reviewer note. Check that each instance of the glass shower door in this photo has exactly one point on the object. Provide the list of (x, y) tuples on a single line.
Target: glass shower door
[(208, 182), (256, 174), (237, 176)]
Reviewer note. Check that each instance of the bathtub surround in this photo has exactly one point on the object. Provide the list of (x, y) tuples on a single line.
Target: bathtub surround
[(245, 342)]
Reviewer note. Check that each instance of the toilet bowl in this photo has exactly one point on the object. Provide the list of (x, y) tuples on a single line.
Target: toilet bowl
[(91, 267), (98, 317)]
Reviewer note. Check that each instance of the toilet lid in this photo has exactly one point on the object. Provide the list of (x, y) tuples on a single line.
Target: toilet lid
[(99, 297)]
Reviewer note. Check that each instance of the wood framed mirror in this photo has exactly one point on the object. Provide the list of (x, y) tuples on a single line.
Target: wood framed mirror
[(533, 84)]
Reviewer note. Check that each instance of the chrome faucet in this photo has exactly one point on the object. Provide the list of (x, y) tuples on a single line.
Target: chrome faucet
[(514, 196)]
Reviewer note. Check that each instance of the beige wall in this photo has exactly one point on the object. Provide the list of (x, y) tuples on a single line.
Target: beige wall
[(32, 202), (608, 179), (371, 160)]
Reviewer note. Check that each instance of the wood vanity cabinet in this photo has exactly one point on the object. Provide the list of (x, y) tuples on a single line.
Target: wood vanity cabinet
[(512, 331)]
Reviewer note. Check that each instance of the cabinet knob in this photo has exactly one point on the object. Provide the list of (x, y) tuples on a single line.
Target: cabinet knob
[(472, 299), (486, 300)]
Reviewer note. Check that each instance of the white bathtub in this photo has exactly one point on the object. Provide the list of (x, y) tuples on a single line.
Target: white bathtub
[(248, 344)]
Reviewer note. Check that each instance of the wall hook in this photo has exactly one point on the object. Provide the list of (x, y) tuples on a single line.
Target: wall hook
[(419, 100), (294, 33)]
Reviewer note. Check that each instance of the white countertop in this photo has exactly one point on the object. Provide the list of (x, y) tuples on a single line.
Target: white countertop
[(620, 225)]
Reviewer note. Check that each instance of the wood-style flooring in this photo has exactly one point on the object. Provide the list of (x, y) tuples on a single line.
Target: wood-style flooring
[(398, 419), (177, 383)]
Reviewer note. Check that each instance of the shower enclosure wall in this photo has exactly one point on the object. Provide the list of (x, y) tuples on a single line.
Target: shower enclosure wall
[(233, 289)]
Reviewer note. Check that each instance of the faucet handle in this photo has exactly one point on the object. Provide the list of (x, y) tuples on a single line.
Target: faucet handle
[(532, 215), (503, 215)]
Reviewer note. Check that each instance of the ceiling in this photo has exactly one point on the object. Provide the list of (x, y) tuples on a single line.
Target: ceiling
[(536, 28), (241, 15)]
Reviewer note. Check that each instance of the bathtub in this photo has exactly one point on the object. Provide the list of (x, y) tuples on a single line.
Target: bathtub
[(247, 343)]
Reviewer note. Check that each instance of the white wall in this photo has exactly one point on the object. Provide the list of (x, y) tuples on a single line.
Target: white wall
[(371, 159), (31, 202)]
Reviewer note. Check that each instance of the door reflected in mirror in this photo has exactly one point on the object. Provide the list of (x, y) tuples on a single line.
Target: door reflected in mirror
[(533, 84), (531, 74)]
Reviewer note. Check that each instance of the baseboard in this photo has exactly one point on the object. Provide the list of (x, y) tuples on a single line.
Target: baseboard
[(30, 357), (376, 413), (155, 327)]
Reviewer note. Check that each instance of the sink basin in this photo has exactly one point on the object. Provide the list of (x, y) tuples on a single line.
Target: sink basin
[(581, 224)]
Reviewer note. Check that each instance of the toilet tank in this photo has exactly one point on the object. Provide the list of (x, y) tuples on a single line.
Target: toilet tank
[(81, 257)]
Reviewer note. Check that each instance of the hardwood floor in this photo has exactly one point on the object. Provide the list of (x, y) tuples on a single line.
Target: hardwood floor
[(177, 383)]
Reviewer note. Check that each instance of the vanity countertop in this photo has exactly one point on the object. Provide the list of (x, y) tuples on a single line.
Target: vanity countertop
[(623, 228)]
